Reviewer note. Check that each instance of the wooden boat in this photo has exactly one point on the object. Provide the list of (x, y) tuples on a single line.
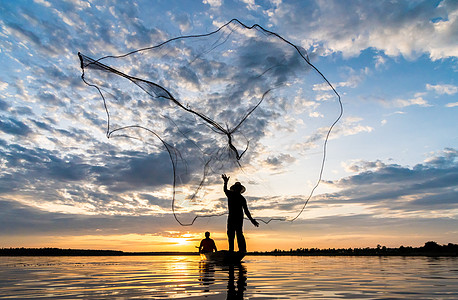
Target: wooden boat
[(224, 257)]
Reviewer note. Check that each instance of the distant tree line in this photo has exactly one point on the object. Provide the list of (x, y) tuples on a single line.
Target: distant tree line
[(79, 252), (429, 249), (56, 252)]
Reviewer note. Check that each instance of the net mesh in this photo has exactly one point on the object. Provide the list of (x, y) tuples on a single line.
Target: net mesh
[(239, 100)]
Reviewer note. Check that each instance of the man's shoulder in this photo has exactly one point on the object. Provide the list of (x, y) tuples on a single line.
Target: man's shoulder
[(234, 194)]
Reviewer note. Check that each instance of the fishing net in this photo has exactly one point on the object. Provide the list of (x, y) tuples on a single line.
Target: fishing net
[(239, 100)]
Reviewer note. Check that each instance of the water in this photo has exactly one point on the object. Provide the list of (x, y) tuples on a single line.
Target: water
[(258, 277)]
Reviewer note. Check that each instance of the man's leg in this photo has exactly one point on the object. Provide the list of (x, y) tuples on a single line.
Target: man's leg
[(230, 237), (241, 239)]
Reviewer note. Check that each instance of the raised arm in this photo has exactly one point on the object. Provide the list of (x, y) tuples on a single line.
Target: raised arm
[(226, 179)]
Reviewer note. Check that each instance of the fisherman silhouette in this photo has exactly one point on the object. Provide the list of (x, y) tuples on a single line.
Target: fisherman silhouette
[(237, 205), (207, 244)]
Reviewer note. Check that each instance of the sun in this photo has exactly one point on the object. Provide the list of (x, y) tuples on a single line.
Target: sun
[(181, 241)]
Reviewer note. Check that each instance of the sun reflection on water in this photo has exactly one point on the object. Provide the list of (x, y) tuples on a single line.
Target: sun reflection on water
[(256, 277)]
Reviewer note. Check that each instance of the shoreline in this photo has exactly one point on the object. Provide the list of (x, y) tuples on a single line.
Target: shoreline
[(429, 249), (247, 254)]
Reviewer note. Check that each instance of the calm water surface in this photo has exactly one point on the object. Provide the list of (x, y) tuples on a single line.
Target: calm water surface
[(257, 277)]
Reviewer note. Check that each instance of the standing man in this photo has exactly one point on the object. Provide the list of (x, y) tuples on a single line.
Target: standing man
[(207, 244), (237, 205)]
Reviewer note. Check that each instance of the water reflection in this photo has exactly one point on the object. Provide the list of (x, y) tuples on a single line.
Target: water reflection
[(236, 278), (206, 275), (236, 289), (186, 277)]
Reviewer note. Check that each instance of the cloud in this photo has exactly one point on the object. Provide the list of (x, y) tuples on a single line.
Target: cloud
[(43, 2), (183, 21), (50, 99), (213, 3), (395, 28), (409, 102), (347, 126), (380, 61), (33, 165), (225, 86), (379, 189), (444, 159), (350, 126), (250, 4), (455, 104), (3, 86), (16, 218), (361, 166), (102, 183), (418, 98), (15, 127), (354, 78), (393, 188), (442, 89), (135, 170), (67, 163), (279, 161), (4, 105)]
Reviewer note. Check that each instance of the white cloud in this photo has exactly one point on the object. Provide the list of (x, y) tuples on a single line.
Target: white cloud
[(65, 17), (455, 104), (43, 2), (355, 129), (409, 102), (442, 89), (379, 61), (213, 3), (395, 113), (352, 82), (354, 78), (250, 4), (321, 87), (420, 94), (393, 27), (316, 114), (3, 86), (354, 166), (350, 126)]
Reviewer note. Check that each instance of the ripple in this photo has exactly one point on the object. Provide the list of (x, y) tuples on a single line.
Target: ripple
[(258, 277)]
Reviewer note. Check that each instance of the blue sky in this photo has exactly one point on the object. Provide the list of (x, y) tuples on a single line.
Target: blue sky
[(391, 168)]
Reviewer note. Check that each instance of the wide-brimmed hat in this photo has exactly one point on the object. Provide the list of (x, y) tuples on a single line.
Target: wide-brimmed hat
[(238, 187)]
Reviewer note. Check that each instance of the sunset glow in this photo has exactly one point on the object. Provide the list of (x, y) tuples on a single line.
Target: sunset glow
[(390, 172)]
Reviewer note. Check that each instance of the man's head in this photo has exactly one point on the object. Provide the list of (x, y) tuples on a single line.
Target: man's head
[(238, 188), (207, 234)]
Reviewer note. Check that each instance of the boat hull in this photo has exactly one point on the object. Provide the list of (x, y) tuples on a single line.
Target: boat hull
[(224, 257)]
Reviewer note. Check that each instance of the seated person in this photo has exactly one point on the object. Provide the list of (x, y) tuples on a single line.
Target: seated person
[(207, 244)]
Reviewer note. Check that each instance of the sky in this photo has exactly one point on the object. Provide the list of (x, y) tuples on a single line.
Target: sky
[(391, 170)]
